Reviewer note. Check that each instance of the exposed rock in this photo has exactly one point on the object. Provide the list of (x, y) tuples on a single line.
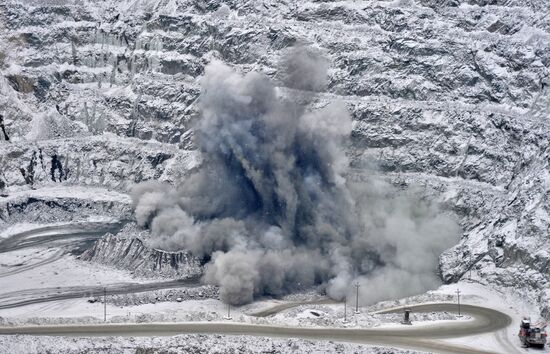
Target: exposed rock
[(3, 129), (51, 210), (132, 254), (21, 84)]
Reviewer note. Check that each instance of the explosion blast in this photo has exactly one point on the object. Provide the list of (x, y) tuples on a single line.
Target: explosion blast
[(270, 211)]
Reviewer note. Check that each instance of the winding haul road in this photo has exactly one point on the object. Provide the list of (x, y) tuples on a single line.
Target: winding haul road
[(41, 295), (427, 338), (58, 235), (68, 238), (65, 237)]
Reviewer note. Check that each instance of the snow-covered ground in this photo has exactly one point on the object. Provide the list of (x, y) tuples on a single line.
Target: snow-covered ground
[(505, 300), (63, 272), (312, 315), (47, 266), (82, 311), (192, 344), (312, 312), (93, 194), (23, 227)]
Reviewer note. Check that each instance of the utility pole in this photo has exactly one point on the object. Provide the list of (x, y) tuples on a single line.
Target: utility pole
[(104, 304), (458, 298), (357, 298), (228, 311), (471, 266), (346, 309)]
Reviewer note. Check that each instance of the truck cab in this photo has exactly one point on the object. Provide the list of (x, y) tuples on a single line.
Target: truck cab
[(532, 335)]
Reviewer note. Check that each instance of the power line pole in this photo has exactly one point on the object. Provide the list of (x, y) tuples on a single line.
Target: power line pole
[(104, 304), (357, 298), (228, 311), (471, 265), (458, 299), (346, 309)]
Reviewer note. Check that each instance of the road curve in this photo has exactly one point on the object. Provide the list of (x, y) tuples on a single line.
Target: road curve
[(288, 305), (427, 338), (67, 238), (58, 234)]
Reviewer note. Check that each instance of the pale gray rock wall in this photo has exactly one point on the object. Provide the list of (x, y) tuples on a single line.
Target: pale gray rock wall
[(132, 254)]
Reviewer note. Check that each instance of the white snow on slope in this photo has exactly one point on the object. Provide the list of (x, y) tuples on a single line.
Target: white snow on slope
[(95, 194)]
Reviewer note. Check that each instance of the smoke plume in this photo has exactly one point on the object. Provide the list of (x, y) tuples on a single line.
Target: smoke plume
[(270, 211)]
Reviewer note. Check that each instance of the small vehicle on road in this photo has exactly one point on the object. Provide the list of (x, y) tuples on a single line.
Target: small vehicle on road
[(532, 335)]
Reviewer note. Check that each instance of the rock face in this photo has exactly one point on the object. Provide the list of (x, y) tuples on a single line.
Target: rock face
[(52, 207), (449, 95), (95, 160), (132, 254)]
